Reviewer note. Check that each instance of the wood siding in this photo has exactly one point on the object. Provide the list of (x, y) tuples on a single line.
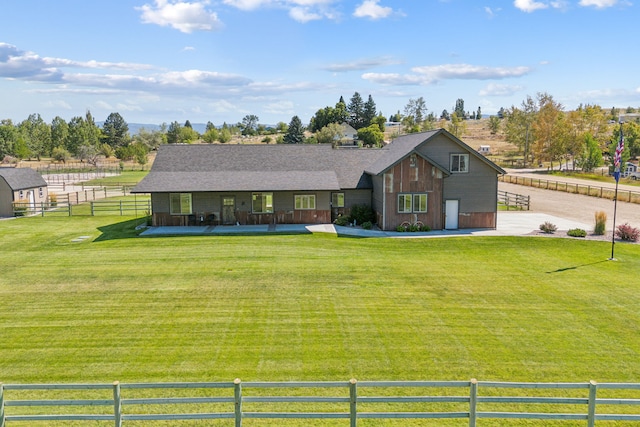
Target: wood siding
[(403, 178)]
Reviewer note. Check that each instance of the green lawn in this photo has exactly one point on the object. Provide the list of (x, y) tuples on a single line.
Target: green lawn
[(113, 306)]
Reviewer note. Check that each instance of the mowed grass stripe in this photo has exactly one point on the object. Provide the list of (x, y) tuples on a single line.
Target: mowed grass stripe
[(118, 307)]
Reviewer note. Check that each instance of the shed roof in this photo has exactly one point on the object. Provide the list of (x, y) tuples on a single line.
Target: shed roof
[(22, 178)]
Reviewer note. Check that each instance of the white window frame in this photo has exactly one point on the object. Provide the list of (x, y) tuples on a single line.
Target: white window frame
[(266, 203), (411, 202), (305, 202), (459, 163), (405, 203), (417, 202), (180, 203)]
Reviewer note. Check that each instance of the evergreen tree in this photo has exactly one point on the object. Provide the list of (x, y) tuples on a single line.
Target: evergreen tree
[(295, 132), (459, 109), (370, 112), (479, 114), (356, 111), (115, 131)]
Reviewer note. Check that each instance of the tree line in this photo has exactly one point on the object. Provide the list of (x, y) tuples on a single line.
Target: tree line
[(540, 129), (544, 132)]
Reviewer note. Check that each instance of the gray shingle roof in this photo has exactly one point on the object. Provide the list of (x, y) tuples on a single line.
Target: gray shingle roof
[(22, 178), (281, 167)]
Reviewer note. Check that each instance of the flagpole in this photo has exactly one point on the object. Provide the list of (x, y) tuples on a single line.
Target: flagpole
[(613, 235), (616, 173)]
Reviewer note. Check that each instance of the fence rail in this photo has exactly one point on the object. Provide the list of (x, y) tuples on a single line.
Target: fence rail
[(238, 401), (64, 204), (513, 200), (575, 188)]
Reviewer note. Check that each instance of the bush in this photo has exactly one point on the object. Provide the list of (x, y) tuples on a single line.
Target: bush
[(21, 207), (601, 223), (577, 232), (342, 220), (425, 228), (367, 225), (361, 214), (627, 233), (401, 228), (548, 227), (53, 200)]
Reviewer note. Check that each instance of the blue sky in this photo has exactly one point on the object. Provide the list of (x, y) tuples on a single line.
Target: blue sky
[(156, 61)]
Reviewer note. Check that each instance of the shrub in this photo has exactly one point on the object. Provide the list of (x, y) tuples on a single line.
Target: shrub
[(21, 207), (53, 200), (367, 225), (548, 227), (342, 220), (401, 228), (601, 223), (361, 214), (577, 232), (627, 233), (425, 228)]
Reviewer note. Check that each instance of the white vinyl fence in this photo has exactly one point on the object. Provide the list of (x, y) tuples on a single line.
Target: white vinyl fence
[(470, 401)]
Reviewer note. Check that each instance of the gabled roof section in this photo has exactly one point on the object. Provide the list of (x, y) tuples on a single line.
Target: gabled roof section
[(404, 145), (22, 178), (281, 167), (397, 150)]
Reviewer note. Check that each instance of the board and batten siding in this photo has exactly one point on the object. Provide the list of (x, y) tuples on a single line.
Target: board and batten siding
[(403, 178)]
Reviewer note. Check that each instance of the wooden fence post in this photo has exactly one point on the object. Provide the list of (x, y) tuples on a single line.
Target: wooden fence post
[(591, 417), (473, 402), (237, 383), (353, 402), (117, 404)]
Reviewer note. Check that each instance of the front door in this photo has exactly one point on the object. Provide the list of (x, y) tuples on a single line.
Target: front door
[(228, 210), (451, 214)]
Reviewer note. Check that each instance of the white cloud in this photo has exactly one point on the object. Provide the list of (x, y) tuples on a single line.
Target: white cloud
[(599, 4), (495, 89), (529, 5), (303, 14), (430, 74), (280, 108), (360, 64), (372, 10), (183, 16)]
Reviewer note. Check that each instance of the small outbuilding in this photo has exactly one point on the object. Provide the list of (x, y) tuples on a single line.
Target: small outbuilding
[(20, 185)]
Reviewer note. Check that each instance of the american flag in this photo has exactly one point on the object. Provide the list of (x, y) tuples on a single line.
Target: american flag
[(617, 158)]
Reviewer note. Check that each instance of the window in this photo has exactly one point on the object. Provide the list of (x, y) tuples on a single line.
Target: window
[(180, 203), (408, 203), (305, 201), (41, 192), (262, 202), (459, 163), (337, 200), (404, 203), (419, 202)]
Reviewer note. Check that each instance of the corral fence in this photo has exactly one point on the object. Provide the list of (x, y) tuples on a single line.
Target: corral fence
[(64, 204), (575, 188), (513, 200), (237, 401)]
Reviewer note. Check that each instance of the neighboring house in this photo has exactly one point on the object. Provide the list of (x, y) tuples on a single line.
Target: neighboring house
[(431, 177), (22, 185), (349, 135)]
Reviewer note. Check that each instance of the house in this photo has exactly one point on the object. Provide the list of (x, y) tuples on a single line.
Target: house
[(20, 185), (429, 177), (349, 135), (484, 149)]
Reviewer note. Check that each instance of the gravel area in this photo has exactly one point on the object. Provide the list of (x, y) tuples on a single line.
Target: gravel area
[(577, 207)]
